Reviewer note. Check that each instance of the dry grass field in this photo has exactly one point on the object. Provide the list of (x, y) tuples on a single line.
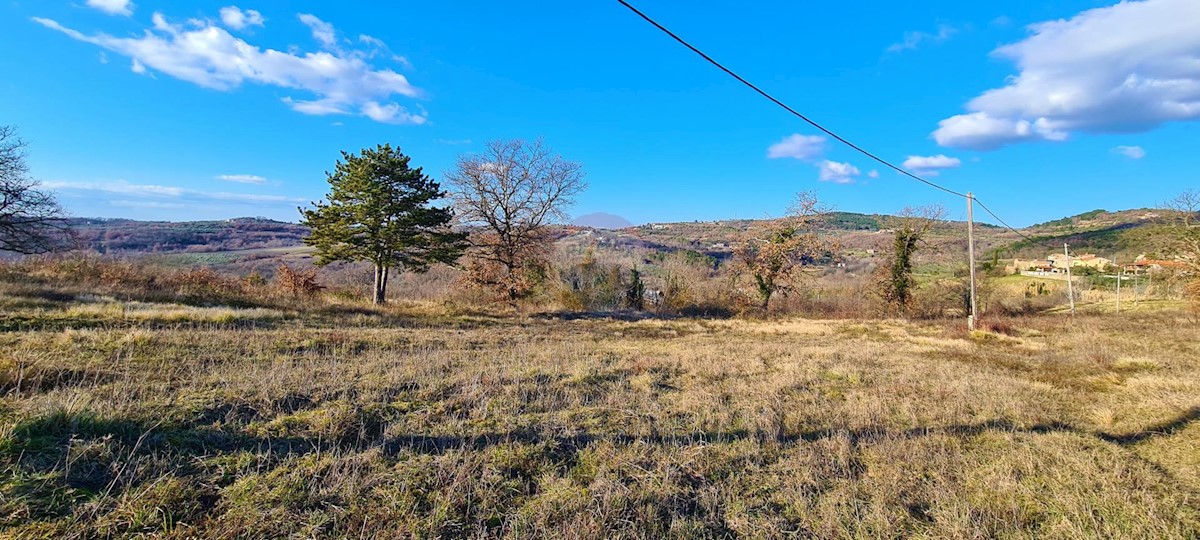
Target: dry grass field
[(123, 419)]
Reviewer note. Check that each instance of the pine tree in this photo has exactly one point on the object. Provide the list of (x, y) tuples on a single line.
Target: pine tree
[(379, 209)]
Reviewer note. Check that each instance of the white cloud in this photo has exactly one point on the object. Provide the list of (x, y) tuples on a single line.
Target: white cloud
[(318, 107), (378, 47), (148, 204), (811, 148), (873, 174), (1124, 68), (931, 165), (113, 7), (372, 41), (390, 113), (1131, 152), (242, 178), (137, 67), (454, 142), (159, 192), (797, 146), (207, 55), (836, 172), (237, 19), (321, 30), (912, 40), (119, 186)]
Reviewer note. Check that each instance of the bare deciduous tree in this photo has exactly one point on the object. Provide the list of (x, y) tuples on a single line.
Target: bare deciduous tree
[(775, 257), (31, 221), (1177, 236), (511, 192)]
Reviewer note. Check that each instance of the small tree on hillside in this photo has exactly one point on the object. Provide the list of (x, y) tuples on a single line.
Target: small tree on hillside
[(31, 221), (511, 192), (775, 257), (1176, 237), (894, 278), (379, 209)]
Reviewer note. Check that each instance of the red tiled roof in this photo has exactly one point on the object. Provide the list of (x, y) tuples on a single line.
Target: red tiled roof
[(1165, 264)]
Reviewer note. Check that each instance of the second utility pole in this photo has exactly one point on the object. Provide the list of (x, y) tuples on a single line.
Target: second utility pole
[(971, 254), (1070, 284)]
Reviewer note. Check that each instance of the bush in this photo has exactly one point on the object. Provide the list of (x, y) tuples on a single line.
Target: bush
[(593, 286), (295, 283)]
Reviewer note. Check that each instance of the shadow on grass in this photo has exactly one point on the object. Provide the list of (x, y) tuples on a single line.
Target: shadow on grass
[(33, 454), (1164, 428)]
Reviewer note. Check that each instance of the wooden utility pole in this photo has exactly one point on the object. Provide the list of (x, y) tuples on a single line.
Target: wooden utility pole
[(971, 254), (1120, 277), (1070, 283)]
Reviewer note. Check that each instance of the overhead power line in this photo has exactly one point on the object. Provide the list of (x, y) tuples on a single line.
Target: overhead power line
[(1043, 243), (1010, 227), (813, 123), (784, 105)]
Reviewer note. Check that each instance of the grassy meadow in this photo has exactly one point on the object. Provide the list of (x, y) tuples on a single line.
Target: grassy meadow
[(157, 419)]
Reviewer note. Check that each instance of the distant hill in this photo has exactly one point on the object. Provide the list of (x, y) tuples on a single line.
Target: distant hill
[(1099, 231), (601, 220), (119, 236)]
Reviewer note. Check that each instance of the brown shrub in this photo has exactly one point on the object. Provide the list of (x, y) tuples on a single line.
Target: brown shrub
[(1191, 291), (297, 282)]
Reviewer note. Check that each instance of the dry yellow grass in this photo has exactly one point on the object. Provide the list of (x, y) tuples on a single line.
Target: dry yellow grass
[(391, 426)]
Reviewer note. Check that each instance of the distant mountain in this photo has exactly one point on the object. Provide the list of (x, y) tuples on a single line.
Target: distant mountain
[(601, 220)]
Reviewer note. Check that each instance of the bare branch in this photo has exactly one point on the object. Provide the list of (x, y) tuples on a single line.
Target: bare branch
[(31, 221)]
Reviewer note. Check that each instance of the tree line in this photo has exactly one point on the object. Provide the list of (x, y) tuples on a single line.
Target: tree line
[(492, 220)]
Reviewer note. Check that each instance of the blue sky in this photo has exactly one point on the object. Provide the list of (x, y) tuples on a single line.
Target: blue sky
[(204, 110)]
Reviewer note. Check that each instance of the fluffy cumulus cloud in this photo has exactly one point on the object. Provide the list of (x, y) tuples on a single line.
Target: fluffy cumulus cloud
[(1124, 68), (391, 113), (836, 172), (112, 7), (237, 19), (1131, 152), (931, 165), (329, 81), (811, 149), (797, 146)]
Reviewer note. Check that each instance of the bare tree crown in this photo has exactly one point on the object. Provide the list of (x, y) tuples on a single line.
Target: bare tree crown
[(514, 186), (31, 221), (511, 192)]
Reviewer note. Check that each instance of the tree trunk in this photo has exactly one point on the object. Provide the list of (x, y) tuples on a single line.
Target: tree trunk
[(387, 272), (512, 286), (378, 295)]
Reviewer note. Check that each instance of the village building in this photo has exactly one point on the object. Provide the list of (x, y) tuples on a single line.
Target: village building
[(1056, 263)]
